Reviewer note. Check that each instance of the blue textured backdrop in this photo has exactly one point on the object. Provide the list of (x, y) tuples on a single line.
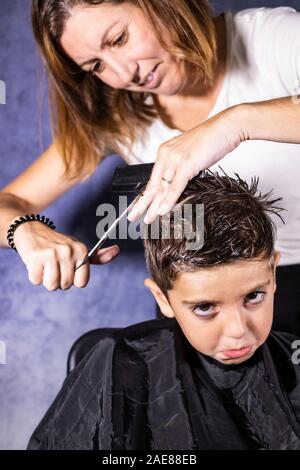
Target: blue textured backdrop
[(39, 327)]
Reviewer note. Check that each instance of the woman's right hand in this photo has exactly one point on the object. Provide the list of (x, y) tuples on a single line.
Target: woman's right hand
[(51, 257)]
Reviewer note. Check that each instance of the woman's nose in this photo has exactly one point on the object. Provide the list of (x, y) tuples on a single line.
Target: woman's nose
[(126, 72)]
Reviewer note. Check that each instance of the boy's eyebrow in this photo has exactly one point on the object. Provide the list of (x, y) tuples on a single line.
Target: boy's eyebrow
[(257, 287)]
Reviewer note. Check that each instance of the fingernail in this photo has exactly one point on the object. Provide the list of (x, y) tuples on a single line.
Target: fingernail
[(163, 209), (131, 216), (147, 219), (150, 217)]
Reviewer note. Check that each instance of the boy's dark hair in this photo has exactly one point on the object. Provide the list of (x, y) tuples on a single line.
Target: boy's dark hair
[(237, 226)]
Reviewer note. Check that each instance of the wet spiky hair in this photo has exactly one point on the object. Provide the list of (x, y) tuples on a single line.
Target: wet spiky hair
[(237, 226)]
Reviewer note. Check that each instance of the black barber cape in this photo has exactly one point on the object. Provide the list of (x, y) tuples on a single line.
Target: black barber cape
[(145, 387)]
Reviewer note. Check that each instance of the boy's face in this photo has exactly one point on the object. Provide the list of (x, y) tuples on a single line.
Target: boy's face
[(225, 312)]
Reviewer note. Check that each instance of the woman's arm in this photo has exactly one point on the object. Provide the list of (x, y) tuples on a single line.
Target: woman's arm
[(183, 157), (34, 189), (277, 120), (49, 256)]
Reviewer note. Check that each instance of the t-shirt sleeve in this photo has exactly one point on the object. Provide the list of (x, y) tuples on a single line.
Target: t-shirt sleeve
[(277, 44)]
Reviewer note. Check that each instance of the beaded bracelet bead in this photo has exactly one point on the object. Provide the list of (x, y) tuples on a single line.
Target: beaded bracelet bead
[(23, 220)]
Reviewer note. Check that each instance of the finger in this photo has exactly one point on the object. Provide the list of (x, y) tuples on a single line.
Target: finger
[(35, 272), (66, 274), (51, 276), (142, 204), (161, 168), (153, 209), (168, 176), (82, 276), (171, 197), (163, 204), (158, 169), (105, 255), (161, 178)]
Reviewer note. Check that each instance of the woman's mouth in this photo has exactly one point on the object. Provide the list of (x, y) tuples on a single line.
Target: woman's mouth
[(234, 353), (152, 79)]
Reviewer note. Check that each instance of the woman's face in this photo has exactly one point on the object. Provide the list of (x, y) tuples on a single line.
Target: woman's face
[(118, 44)]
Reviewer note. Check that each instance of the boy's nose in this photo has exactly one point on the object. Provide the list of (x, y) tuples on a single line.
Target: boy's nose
[(235, 326)]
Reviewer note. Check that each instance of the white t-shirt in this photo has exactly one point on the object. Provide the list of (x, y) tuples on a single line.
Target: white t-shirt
[(263, 62)]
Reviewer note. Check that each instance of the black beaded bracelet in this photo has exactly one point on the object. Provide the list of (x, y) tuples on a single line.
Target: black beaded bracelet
[(23, 220)]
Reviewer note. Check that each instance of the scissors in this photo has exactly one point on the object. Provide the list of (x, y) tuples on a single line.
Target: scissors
[(129, 179), (106, 234)]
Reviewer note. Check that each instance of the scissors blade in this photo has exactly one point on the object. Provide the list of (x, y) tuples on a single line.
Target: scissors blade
[(106, 234)]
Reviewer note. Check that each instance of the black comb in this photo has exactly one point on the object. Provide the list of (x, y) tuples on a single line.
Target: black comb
[(131, 178)]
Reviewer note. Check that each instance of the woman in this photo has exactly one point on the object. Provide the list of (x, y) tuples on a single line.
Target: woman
[(161, 80)]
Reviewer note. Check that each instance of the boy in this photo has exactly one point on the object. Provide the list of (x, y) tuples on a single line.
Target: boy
[(208, 376)]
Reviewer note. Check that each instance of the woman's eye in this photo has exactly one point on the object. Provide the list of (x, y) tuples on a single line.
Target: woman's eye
[(204, 310), (97, 68), (120, 40), (255, 297)]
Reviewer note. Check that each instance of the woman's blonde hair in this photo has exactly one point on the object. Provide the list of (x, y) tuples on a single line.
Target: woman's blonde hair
[(90, 119)]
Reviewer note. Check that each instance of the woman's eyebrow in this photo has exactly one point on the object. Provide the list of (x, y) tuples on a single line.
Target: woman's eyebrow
[(90, 61)]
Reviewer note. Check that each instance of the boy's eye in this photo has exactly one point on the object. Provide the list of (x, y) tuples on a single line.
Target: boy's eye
[(204, 310), (255, 297)]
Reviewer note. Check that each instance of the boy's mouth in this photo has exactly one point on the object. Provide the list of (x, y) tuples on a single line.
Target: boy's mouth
[(236, 353)]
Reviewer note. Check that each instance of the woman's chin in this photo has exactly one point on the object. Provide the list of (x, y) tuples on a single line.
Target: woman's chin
[(172, 89)]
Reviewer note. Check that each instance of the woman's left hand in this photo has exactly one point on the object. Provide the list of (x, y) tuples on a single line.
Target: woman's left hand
[(182, 158)]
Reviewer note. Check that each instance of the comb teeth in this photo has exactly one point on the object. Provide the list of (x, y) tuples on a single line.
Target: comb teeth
[(131, 178)]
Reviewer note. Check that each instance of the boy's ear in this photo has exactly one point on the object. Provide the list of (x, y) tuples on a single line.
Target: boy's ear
[(276, 259), (160, 298)]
